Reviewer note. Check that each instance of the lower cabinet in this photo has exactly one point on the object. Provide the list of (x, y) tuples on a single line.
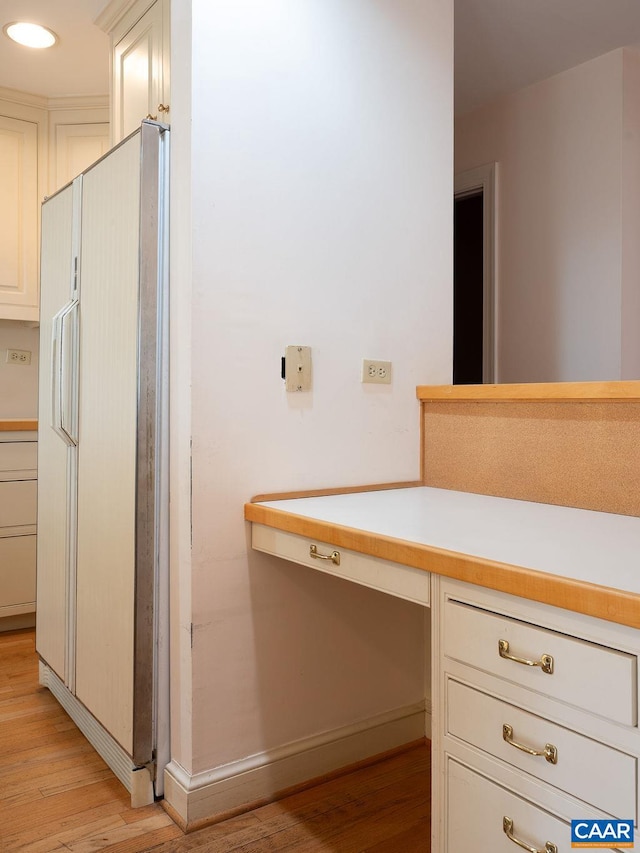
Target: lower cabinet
[(17, 575), (17, 525), (535, 722)]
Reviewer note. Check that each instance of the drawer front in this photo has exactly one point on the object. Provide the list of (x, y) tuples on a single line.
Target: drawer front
[(393, 578), (477, 810), (584, 768), (17, 456), (17, 570), (586, 675), (17, 503)]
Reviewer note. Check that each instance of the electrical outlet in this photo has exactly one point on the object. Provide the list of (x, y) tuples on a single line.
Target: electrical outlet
[(377, 372), (18, 356)]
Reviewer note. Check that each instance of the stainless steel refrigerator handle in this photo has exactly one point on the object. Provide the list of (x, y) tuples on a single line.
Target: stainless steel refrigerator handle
[(68, 329)]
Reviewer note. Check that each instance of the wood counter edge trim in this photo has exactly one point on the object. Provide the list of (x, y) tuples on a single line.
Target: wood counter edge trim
[(534, 391), (343, 490), (18, 425), (601, 602)]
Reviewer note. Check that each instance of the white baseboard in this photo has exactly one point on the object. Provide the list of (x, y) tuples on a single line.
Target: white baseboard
[(137, 780), (203, 797)]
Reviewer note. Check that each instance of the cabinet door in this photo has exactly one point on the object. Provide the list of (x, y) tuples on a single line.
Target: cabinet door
[(18, 219), (77, 147), (141, 72)]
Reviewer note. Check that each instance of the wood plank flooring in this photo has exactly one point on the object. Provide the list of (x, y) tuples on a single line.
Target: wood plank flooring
[(57, 795)]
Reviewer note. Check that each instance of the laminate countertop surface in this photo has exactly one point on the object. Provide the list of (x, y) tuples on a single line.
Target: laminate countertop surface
[(578, 559), (18, 425)]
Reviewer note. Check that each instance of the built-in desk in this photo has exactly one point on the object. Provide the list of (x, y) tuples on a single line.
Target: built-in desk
[(571, 558), (524, 539)]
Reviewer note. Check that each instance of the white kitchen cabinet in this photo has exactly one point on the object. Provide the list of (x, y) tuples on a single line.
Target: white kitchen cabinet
[(141, 81), (21, 171), (17, 524), (529, 737), (79, 135)]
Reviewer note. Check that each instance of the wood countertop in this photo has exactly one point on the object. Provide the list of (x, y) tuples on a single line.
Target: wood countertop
[(18, 425), (576, 559), (584, 392)]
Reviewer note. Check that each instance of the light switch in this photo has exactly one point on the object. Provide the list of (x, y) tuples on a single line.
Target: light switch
[(297, 368)]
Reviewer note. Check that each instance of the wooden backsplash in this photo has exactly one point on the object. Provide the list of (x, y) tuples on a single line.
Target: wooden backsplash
[(582, 453)]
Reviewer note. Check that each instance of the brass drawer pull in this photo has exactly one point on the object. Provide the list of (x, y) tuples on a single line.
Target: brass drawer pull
[(333, 557), (550, 752), (507, 828), (545, 663)]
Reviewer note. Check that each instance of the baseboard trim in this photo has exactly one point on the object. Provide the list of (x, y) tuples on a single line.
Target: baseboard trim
[(137, 780), (196, 800)]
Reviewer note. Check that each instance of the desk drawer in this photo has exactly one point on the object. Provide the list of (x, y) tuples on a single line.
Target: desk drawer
[(598, 774), (477, 811), (17, 503), (394, 578), (588, 676)]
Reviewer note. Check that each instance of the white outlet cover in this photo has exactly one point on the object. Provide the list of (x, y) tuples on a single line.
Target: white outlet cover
[(19, 356), (376, 371)]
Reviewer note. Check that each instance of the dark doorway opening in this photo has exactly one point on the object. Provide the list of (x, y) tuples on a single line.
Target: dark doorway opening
[(468, 288)]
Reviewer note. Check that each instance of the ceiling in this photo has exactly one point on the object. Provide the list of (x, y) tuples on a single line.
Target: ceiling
[(77, 65), (500, 45), (503, 45)]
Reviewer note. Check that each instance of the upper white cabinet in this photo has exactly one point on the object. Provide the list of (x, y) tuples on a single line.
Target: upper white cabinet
[(44, 144), (78, 136), (140, 83), (21, 159)]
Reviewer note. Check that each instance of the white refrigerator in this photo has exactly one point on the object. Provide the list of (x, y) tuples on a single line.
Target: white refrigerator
[(102, 564)]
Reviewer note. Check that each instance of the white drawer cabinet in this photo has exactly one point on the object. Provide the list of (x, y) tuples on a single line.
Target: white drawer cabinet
[(485, 816), (497, 640), (17, 505), (18, 459), (17, 578), (517, 750), (385, 576), (568, 758)]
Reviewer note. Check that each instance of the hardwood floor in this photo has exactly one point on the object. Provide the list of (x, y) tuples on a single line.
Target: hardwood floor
[(56, 793)]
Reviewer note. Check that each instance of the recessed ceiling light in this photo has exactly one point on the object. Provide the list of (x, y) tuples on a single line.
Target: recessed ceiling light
[(30, 35)]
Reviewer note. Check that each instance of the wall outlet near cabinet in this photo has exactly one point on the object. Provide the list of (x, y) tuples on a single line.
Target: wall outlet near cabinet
[(18, 356), (374, 371)]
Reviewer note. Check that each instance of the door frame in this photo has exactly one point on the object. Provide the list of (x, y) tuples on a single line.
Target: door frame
[(484, 178)]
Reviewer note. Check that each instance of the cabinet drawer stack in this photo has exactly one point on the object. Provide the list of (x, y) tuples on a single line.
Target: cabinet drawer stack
[(537, 721), (18, 464)]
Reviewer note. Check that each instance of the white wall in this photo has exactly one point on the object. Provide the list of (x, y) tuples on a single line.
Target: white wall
[(630, 356), (18, 383), (559, 146), (313, 193)]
